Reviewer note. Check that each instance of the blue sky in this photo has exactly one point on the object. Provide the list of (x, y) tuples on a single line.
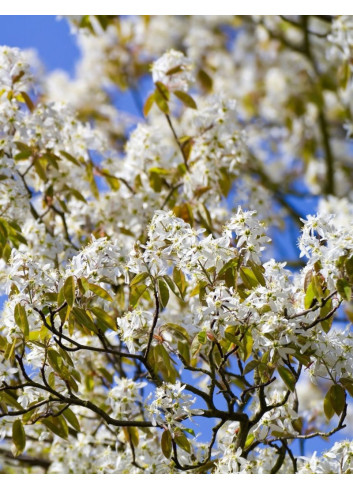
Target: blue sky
[(46, 33)]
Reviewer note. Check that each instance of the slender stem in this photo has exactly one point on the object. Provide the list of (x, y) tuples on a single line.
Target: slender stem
[(154, 323), (177, 141)]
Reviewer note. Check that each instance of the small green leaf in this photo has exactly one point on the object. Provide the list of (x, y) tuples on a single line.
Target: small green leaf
[(72, 419), (69, 290), (98, 290), (166, 443), (55, 360), (156, 181), (18, 437), (231, 334), (163, 293), (162, 104), (202, 337), (171, 285), (140, 277), (287, 377), (325, 309), (61, 297), (250, 366), (195, 346), (83, 285), (186, 148), (40, 165), (248, 277), (258, 272), (57, 425), (225, 182), (112, 181), (232, 263), (174, 70), (9, 400), (10, 351), (83, 318), (179, 280), (205, 80), (186, 99), (298, 424), (250, 438), (328, 408), (107, 321), (148, 104), (23, 155), (309, 296), (247, 344), (136, 292), (163, 90), (70, 158), (334, 401), (177, 330), (21, 319), (161, 97), (162, 363), (184, 351), (27, 100), (75, 193), (91, 180), (344, 289), (182, 441), (349, 267), (338, 398), (348, 385)]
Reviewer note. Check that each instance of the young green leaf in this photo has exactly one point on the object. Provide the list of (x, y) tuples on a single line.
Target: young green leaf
[(104, 319), (98, 290), (136, 292), (328, 408), (186, 99), (182, 441), (83, 318), (163, 293), (148, 104), (287, 377), (338, 398), (21, 319), (18, 437), (72, 419), (166, 443), (140, 277), (344, 289), (69, 290)]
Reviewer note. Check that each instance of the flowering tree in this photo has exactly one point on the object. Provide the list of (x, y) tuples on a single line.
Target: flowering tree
[(144, 304)]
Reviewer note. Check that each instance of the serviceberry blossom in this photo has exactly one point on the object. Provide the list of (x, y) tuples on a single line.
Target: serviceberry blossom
[(170, 406), (174, 70), (177, 281)]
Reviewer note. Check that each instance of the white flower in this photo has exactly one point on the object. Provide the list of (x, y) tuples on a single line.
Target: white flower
[(181, 76)]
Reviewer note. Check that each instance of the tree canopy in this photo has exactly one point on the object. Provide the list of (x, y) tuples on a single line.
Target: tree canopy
[(156, 318)]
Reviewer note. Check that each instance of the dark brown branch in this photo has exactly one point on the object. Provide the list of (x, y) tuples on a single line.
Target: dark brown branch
[(25, 459), (280, 459), (254, 387)]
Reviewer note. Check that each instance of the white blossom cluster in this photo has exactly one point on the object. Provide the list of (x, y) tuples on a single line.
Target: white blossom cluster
[(170, 406), (142, 292), (175, 61)]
